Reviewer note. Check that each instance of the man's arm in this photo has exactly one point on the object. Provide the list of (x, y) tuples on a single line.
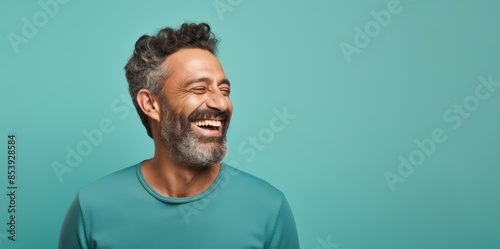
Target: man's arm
[(284, 234), (73, 234)]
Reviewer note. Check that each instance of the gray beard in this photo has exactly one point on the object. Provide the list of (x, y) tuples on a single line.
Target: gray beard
[(185, 147)]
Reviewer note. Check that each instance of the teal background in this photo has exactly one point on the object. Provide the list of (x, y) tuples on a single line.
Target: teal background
[(352, 120)]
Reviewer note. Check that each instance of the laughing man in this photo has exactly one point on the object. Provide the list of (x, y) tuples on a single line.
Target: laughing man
[(183, 197)]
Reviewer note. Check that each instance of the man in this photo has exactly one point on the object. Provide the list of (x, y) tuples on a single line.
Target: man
[(183, 197)]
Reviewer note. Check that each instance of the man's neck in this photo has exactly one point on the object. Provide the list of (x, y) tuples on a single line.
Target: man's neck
[(173, 180)]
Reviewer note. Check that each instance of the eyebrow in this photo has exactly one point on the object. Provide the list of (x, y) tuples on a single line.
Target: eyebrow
[(207, 80)]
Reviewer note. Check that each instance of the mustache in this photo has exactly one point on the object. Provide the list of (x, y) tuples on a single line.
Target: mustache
[(207, 114)]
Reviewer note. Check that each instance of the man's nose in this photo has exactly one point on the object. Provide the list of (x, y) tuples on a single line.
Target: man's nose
[(217, 100)]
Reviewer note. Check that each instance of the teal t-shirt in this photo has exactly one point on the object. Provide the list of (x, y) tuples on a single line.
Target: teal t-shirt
[(238, 211)]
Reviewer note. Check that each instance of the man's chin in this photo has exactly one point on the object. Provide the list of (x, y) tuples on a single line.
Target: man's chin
[(213, 147), (196, 151), (199, 163)]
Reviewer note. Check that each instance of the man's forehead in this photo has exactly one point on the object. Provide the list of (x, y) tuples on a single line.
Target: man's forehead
[(192, 65), (189, 60)]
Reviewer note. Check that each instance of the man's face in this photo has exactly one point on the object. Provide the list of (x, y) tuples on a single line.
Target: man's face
[(196, 108)]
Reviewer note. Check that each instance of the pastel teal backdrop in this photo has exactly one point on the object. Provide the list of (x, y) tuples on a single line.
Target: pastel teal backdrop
[(379, 120)]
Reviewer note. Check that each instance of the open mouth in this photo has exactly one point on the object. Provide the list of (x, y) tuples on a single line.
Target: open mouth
[(209, 125)]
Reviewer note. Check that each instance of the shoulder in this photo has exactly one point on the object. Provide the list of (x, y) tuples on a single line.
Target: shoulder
[(110, 185), (246, 182)]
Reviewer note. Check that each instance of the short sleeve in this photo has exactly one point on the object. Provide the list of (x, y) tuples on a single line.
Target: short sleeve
[(73, 235), (284, 234)]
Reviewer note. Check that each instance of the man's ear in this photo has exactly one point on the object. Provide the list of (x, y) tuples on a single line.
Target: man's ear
[(149, 103)]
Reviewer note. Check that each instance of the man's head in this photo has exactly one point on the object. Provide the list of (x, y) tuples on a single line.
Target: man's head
[(181, 93)]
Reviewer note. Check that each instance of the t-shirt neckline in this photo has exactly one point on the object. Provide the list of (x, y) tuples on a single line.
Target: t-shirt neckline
[(179, 200)]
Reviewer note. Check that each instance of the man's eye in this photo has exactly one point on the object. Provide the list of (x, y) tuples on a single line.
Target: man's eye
[(225, 90), (199, 89)]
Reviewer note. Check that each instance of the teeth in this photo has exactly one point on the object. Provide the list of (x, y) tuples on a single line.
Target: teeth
[(215, 123)]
